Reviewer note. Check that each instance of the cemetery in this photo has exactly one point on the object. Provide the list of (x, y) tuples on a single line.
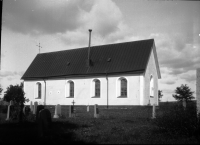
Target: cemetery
[(98, 124)]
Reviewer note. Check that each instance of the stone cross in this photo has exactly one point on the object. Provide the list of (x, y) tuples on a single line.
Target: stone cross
[(71, 111), (73, 102)]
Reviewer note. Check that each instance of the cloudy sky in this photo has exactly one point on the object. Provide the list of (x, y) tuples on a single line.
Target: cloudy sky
[(63, 24)]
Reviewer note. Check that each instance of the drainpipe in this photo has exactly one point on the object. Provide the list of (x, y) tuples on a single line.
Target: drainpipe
[(45, 92)]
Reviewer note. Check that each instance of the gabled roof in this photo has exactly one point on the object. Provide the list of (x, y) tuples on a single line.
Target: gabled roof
[(128, 57)]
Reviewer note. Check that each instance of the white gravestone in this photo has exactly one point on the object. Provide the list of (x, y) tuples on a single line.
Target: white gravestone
[(56, 112), (8, 112), (88, 108), (96, 111), (59, 110), (35, 107)]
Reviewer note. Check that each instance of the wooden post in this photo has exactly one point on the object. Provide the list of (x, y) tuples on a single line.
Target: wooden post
[(56, 112), (35, 107), (154, 111)]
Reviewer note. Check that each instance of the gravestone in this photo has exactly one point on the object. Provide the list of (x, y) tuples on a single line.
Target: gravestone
[(88, 108), (39, 107), (8, 112), (31, 106), (96, 111), (154, 111), (198, 90), (59, 110), (56, 112), (44, 121), (35, 107)]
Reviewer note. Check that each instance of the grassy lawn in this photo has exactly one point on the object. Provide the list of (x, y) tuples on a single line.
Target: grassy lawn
[(114, 126)]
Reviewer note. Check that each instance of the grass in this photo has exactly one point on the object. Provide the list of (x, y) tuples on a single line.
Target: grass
[(130, 125)]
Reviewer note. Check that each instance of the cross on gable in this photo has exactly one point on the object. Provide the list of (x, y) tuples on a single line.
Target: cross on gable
[(73, 102)]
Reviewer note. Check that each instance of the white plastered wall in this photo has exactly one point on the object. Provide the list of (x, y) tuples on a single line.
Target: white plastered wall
[(56, 91), (151, 70)]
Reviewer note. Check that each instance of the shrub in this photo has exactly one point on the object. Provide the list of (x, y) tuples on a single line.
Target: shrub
[(178, 121)]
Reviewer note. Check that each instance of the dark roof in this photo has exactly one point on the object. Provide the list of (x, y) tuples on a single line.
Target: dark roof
[(128, 57)]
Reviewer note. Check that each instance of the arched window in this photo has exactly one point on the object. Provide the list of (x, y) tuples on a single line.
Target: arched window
[(39, 91), (96, 88), (151, 87), (71, 89), (123, 87)]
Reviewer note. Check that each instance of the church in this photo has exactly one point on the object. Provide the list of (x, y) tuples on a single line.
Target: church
[(114, 74)]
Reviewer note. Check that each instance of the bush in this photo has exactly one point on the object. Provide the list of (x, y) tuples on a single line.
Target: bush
[(178, 121), (3, 109)]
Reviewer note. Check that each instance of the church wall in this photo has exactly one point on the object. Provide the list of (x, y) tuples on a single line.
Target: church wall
[(56, 91), (151, 70)]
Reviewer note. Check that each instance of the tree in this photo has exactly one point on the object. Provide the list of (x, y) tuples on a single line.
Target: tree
[(183, 92), (0, 89), (159, 95), (15, 93)]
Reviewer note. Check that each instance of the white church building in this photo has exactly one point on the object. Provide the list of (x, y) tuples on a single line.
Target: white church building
[(114, 74)]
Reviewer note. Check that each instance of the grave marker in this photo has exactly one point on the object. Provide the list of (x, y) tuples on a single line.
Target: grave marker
[(88, 108), (154, 111), (8, 112), (44, 121), (35, 107), (96, 111), (56, 112)]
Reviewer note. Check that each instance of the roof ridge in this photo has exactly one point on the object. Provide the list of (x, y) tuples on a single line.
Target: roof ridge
[(98, 46)]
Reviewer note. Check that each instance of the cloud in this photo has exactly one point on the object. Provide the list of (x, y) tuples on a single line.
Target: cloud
[(188, 77), (176, 53), (104, 17), (5, 73), (42, 16)]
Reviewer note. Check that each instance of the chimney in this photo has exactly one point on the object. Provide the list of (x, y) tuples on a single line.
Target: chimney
[(88, 60)]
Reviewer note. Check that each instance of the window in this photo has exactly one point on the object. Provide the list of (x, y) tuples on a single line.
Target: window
[(70, 89), (151, 87), (39, 91), (122, 88), (96, 88)]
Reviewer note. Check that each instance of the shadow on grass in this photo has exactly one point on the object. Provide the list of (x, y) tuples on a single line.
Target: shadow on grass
[(27, 132)]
